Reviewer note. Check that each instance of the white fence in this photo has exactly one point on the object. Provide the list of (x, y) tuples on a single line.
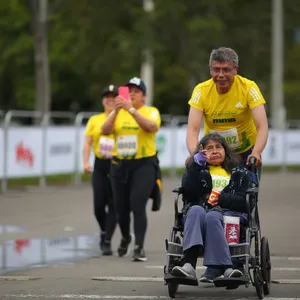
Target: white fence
[(45, 150)]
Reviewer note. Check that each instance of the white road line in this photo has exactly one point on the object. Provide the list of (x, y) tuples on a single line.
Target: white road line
[(136, 279), (286, 281), (291, 258), (203, 268), (71, 296)]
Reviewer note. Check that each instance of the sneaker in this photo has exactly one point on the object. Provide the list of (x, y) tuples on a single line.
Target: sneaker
[(233, 273), (106, 248), (124, 248), (210, 274), (102, 238), (186, 270), (139, 254)]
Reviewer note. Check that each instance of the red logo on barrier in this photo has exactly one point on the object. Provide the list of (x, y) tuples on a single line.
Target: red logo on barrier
[(20, 244), (24, 154)]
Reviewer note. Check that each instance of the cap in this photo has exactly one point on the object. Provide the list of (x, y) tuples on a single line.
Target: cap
[(110, 89), (138, 82)]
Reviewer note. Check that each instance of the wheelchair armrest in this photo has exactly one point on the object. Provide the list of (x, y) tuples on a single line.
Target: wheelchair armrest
[(178, 190)]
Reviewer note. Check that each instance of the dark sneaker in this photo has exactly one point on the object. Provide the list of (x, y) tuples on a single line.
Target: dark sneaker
[(106, 248), (210, 274), (139, 254), (102, 239), (124, 248)]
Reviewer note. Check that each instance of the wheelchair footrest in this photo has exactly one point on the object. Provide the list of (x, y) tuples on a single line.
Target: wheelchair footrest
[(231, 283), (180, 280)]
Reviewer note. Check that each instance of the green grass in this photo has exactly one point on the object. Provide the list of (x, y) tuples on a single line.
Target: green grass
[(63, 179)]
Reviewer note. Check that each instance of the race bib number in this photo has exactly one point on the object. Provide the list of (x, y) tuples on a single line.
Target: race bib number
[(230, 135), (127, 145), (106, 146)]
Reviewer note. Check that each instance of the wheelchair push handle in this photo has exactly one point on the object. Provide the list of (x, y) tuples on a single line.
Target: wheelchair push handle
[(252, 164)]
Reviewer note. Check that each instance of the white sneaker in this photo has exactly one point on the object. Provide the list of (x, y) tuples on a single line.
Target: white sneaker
[(186, 270), (233, 273)]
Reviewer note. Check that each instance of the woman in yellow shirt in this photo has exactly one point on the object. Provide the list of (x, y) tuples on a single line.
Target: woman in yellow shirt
[(134, 163), (102, 146)]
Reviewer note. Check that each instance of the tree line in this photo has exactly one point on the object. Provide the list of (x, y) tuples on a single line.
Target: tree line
[(92, 43)]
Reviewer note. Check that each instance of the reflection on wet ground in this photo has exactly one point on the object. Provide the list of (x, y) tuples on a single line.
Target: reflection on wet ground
[(26, 253)]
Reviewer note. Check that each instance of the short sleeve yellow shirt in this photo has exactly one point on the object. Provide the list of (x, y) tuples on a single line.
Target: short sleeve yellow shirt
[(132, 142), (93, 129), (229, 114)]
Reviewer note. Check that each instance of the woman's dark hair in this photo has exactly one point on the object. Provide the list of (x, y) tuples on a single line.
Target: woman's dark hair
[(231, 158)]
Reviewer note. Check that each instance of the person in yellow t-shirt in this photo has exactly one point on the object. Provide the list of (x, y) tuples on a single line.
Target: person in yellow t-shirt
[(102, 146), (134, 163), (230, 105)]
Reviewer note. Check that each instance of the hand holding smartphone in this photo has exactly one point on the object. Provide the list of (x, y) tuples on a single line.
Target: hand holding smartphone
[(124, 92)]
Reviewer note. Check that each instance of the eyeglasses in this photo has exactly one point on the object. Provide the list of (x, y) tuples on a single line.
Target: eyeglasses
[(217, 148), (225, 71)]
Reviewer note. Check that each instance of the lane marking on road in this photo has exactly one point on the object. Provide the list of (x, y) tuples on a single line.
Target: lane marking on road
[(136, 279), (71, 296), (18, 278), (292, 269), (291, 258), (286, 281)]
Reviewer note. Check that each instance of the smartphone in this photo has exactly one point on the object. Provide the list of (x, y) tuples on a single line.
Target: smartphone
[(124, 92)]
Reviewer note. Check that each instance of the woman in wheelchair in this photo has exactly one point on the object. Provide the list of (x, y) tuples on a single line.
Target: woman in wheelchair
[(214, 184)]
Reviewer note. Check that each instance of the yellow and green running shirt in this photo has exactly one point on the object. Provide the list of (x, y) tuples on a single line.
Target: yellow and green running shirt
[(229, 114), (132, 142), (220, 179), (103, 144)]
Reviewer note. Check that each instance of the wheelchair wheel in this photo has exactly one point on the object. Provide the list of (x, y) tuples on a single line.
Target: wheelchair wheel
[(265, 261), (172, 289), (258, 283)]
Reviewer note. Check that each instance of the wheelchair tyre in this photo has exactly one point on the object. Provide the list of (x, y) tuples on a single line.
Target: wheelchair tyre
[(172, 289), (265, 261), (258, 283)]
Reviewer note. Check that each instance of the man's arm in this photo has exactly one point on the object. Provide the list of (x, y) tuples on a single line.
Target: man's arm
[(261, 123), (194, 124)]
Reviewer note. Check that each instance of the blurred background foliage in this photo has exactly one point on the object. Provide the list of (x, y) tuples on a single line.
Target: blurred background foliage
[(92, 43)]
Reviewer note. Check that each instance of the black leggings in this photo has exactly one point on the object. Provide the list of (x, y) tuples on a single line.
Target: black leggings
[(103, 198), (132, 183)]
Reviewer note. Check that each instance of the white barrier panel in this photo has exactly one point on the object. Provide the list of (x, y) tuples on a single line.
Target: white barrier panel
[(60, 150), (164, 147), (291, 145), (24, 152), (181, 149), (273, 154), (1, 152)]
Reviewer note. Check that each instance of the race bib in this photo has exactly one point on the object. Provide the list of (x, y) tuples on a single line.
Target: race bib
[(127, 145), (218, 183), (230, 135), (106, 146)]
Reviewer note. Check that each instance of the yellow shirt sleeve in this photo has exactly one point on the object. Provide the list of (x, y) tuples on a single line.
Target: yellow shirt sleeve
[(196, 98), (89, 127), (155, 116), (254, 96)]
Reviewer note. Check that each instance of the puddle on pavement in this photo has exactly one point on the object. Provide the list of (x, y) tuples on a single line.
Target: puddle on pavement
[(26, 253)]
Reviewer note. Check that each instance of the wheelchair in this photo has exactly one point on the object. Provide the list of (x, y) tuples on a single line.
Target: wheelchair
[(256, 259)]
